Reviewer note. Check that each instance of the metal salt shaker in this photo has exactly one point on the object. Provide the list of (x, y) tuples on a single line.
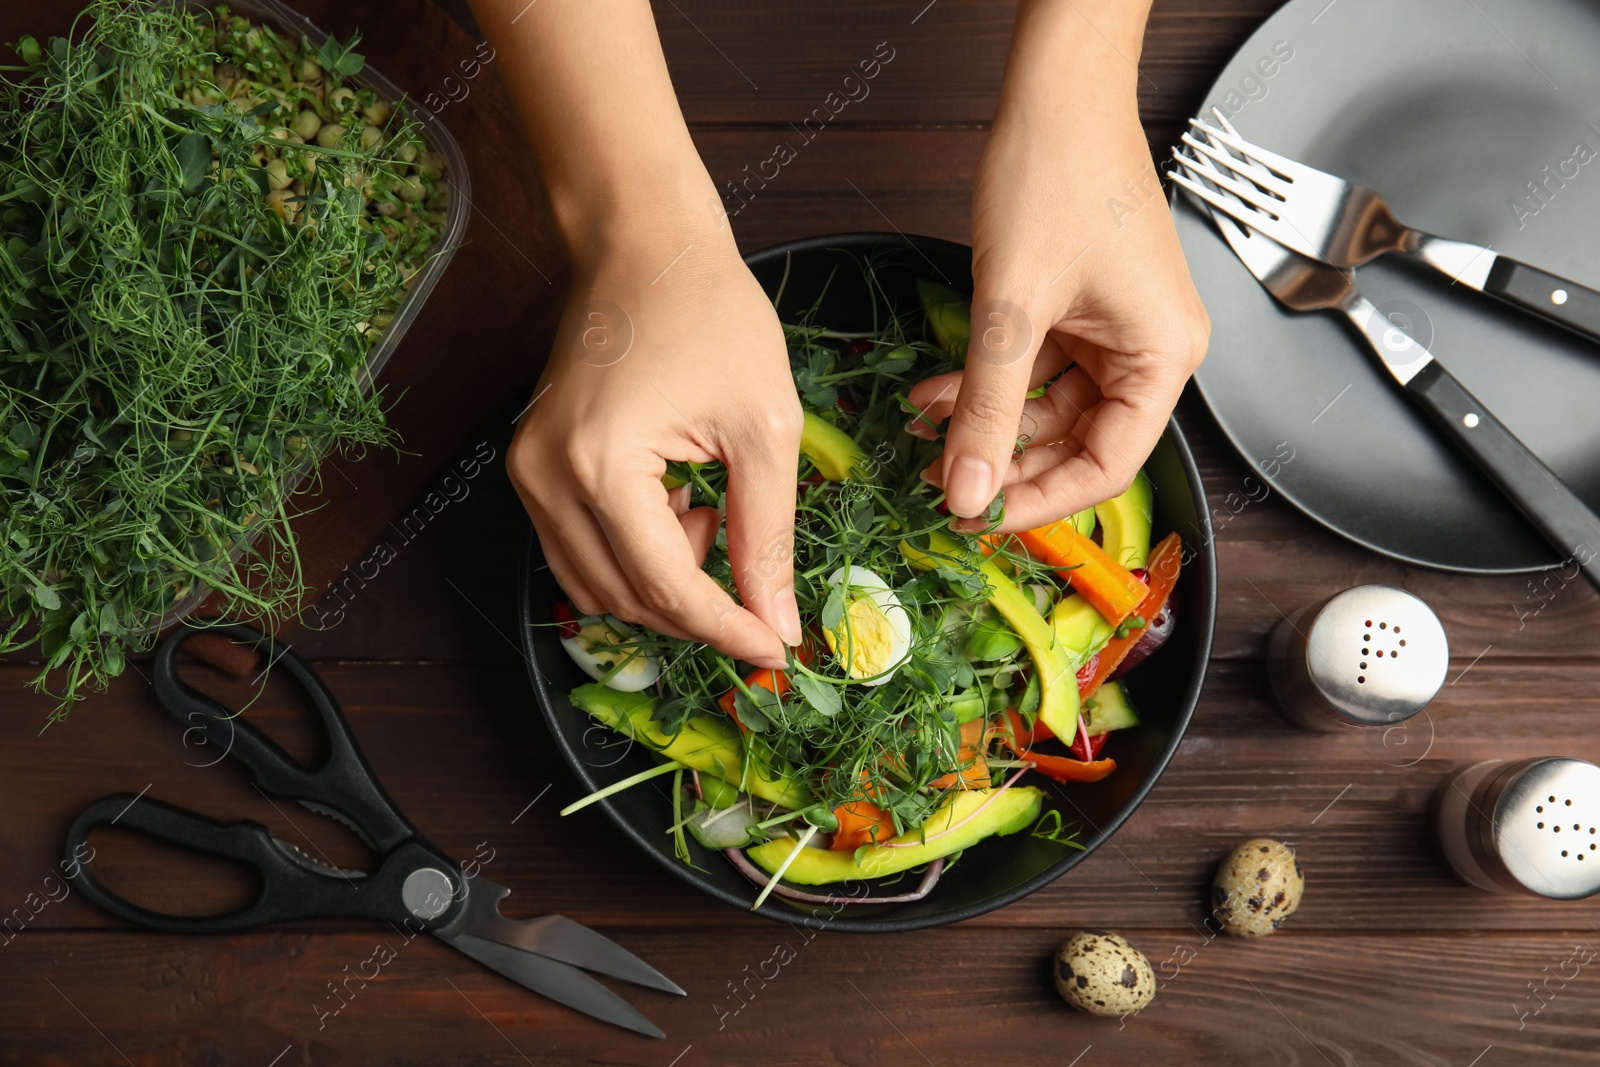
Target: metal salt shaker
[(1373, 655), (1527, 826)]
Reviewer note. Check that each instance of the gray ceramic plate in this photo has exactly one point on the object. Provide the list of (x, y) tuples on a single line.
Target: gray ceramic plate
[(1449, 108)]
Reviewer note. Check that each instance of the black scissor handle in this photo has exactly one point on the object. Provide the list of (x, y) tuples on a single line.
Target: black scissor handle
[(291, 887), (343, 781)]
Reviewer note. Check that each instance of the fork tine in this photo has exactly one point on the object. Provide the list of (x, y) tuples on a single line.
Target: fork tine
[(1225, 204), (1243, 190), (1261, 176), (1255, 170), (1288, 168), (1236, 209)]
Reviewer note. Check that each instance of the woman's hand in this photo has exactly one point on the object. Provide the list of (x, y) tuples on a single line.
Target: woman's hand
[(669, 350), (1076, 269)]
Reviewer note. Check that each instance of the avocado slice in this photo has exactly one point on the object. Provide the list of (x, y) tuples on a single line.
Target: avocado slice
[(709, 745), (1013, 810), (717, 793), (1125, 523), (1108, 709), (1058, 683), (1080, 628), (833, 452), (949, 316), (1083, 521)]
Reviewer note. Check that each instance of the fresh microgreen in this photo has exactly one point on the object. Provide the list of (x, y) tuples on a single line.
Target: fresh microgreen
[(189, 292)]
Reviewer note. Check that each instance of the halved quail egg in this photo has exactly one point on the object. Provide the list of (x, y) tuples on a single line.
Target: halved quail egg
[(874, 636), (609, 650)]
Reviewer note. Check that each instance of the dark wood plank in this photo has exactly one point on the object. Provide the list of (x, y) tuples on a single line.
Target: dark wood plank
[(773, 995), (464, 752), (775, 63)]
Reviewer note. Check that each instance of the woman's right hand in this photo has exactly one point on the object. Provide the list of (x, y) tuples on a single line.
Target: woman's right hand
[(668, 350)]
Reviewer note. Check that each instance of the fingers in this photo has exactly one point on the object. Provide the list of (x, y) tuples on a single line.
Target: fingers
[(1051, 419), (1059, 414), (700, 527), (1110, 443), (678, 500), (555, 556), (566, 575), (656, 580), (983, 425), (584, 540), (760, 508), (935, 397)]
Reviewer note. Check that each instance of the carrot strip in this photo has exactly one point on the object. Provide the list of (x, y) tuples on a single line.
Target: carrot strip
[(974, 740), (857, 821), (1113, 590), (768, 678), (1164, 563)]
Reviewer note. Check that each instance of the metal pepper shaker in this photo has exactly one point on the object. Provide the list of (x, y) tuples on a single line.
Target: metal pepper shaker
[(1372, 655), (1527, 826)]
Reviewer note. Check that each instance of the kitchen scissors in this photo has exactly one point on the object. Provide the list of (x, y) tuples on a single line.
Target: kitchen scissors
[(415, 883)]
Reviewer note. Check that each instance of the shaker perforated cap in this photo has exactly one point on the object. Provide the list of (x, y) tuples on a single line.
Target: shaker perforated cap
[(1375, 654), (1538, 825)]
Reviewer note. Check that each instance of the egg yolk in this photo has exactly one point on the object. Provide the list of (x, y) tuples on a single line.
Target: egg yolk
[(867, 637)]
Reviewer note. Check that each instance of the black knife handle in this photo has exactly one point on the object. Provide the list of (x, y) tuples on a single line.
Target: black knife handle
[(1570, 525), (1565, 303)]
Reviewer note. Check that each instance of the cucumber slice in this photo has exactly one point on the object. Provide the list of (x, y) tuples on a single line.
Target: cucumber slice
[(1109, 710)]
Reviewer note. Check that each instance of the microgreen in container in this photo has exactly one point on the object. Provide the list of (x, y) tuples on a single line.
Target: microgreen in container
[(213, 233)]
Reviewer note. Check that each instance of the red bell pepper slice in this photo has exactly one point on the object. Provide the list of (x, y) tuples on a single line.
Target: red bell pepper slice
[(566, 621), (1020, 739), (1087, 746)]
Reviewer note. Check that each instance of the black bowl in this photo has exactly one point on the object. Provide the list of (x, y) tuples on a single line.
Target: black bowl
[(998, 871)]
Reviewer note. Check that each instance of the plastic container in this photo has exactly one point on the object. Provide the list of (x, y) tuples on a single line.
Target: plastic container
[(292, 24)]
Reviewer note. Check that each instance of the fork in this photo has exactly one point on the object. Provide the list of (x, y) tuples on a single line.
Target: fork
[(1301, 283), (1345, 225)]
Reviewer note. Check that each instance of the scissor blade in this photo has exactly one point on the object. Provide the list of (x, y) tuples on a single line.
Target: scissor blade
[(558, 981), (562, 939), (554, 936)]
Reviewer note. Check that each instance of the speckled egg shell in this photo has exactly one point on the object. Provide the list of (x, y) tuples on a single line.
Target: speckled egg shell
[(1100, 973), (1257, 887)]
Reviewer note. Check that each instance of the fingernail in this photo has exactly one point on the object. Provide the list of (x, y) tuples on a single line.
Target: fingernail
[(788, 613), (966, 485), (916, 427), (931, 476)]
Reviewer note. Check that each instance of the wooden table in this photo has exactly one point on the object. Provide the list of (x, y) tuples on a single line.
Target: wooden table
[(1388, 961)]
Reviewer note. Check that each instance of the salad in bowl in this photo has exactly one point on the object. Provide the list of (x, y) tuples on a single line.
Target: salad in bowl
[(946, 679)]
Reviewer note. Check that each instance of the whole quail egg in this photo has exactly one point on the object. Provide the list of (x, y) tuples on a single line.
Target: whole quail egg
[(1100, 973), (1257, 887)]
